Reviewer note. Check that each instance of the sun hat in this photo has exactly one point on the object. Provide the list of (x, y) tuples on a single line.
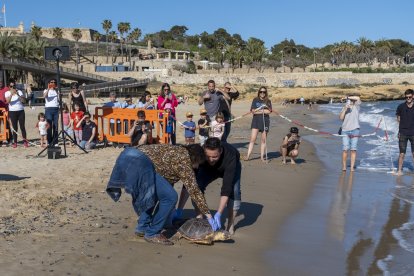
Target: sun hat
[(188, 114), (167, 106), (203, 111)]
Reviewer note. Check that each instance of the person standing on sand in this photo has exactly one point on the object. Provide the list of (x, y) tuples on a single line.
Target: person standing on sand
[(51, 95), (230, 93), (261, 108), (405, 118), (350, 129), (148, 173), (211, 99)]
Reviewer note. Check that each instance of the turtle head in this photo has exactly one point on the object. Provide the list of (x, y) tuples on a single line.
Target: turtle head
[(221, 235)]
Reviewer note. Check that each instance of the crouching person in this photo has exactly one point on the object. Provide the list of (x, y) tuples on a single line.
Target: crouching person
[(290, 145), (88, 132)]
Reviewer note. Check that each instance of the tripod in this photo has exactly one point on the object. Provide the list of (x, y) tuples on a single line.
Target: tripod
[(64, 135)]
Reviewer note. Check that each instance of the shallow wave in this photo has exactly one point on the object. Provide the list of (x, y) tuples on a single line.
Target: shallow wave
[(405, 236), (384, 265)]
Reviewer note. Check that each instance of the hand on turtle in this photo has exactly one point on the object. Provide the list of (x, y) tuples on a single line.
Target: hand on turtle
[(217, 219), (178, 214), (213, 224)]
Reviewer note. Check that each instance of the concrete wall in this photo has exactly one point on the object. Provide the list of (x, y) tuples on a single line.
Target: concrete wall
[(272, 79)]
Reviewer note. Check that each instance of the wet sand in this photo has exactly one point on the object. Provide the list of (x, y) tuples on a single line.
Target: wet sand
[(56, 219)]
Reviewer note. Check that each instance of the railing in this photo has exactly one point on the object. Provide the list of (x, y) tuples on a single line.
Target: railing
[(109, 86), (51, 68)]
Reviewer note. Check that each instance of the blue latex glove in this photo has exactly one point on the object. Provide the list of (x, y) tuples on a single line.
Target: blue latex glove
[(217, 219), (213, 224), (178, 214)]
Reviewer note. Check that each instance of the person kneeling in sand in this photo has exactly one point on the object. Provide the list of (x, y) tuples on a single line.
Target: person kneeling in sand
[(290, 145)]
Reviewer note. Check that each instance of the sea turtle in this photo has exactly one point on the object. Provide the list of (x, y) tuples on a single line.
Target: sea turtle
[(199, 231)]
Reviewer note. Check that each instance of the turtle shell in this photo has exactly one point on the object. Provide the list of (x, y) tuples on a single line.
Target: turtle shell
[(196, 229)]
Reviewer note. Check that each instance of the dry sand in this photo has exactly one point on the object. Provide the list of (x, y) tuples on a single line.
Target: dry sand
[(56, 219)]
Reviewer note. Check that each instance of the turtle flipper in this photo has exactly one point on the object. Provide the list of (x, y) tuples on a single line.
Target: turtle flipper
[(176, 237)]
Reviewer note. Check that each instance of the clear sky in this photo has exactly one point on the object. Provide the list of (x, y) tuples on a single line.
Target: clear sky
[(312, 23)]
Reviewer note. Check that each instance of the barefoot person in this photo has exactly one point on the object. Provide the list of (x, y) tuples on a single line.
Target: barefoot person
[(261, 108), (290, 145), (350, 129), (405, 117)]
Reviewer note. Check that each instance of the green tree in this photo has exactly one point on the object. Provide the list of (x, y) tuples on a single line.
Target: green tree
[(112, 37), (36, 32), (254, 53), (97, 38), (123, 28), (107, 26), (7, 45), (77, 35), (178, 32), (57, 34)]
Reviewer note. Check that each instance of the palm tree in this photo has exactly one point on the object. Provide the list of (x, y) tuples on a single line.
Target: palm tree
[(57, 34), (233, 55), (255, 51), (123, 27), (36, 32), (7, 45), (112, 38), (383, 50), (133, 36), (77, 35), (364, 49), (97, 37), (107, 26)]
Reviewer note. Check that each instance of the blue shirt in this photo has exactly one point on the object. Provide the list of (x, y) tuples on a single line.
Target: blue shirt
[(189, 133)]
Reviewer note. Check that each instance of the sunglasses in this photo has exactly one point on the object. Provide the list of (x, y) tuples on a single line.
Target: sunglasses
[(52, 82), (409, 97), (263, 91), (166, 89)]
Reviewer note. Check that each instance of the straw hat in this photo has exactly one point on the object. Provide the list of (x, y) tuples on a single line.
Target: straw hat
[(203, 111), (188, 114)]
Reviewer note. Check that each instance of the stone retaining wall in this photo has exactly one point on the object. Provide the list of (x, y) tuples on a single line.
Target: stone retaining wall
[(317, 79)]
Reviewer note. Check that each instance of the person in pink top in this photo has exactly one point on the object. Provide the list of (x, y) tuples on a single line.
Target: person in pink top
[(166, 96)]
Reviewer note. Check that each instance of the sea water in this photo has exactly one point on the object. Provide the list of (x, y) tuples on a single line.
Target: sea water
[(354, 223)]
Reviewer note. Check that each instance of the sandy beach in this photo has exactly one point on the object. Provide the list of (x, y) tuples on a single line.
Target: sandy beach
[(55, 217)]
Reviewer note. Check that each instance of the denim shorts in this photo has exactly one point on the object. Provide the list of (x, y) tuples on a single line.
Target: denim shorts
[(349, 141), (402, 142)]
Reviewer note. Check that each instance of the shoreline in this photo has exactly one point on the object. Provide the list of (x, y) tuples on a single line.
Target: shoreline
[(68, 219)]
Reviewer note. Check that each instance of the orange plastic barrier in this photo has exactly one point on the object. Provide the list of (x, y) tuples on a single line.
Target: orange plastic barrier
[(4, 132), (113, 124)]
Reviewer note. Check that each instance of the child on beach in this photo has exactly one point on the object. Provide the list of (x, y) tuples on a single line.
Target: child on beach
[(67, 123), (42, 125), (290, 145), (217, 126), (170, 122), (189, 129), (203, 126), (75, 117)]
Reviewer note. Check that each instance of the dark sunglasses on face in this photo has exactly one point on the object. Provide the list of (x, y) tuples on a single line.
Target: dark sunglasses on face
[(409, 97), (263, 91)]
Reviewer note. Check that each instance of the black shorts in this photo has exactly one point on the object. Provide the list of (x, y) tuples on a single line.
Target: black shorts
[(257, 123), (402, 142)]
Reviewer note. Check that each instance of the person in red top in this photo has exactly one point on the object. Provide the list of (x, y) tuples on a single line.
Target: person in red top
[(75, 117), (166, 96)]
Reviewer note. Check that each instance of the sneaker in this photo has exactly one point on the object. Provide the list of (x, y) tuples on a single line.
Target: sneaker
[(14, 145), (139, 234), (26, 144), (159, 239)]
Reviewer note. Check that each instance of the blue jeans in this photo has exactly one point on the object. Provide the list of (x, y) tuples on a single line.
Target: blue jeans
[(84, 144), (153, 220), (350, 140), (206, 177), (52, 117)]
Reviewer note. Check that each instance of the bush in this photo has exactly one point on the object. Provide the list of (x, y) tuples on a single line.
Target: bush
[(189, 68)]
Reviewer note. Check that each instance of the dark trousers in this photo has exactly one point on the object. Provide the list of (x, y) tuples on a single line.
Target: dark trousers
[(227, 129), (52, 117), (18, 118)]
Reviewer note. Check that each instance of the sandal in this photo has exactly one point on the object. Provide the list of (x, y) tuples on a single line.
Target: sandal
[(139, 234), (159, 239)]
